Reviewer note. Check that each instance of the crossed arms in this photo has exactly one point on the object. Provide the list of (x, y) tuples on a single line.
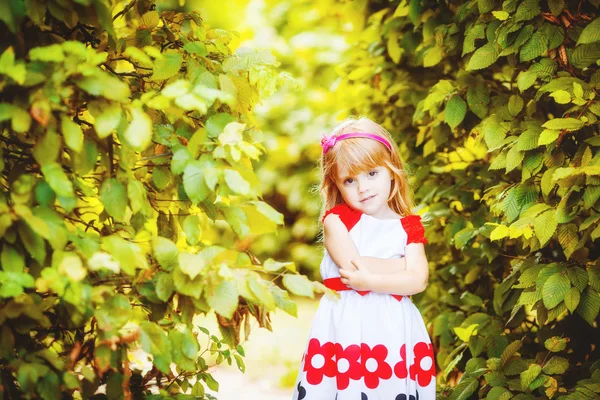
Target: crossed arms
[(404, 276)]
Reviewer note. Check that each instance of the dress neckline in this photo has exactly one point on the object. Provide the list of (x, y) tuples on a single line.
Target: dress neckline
[(383, 219)]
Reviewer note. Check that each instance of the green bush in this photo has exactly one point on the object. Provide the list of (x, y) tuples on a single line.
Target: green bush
[(494, 107), (128, 199)]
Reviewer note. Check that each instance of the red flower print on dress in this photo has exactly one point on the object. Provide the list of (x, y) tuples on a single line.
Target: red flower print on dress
[(374, 366), (400, 368), (319, 361), (421, 369), (348, 366)]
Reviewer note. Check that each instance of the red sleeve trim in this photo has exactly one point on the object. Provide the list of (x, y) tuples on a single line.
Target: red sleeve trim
[(414, 229), (348, 215)]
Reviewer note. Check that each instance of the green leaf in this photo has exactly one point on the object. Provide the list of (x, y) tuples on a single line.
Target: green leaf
[(561, 96), (589, 306), (527, 10), (162, 177), (236, 182), (224, 300), (298, 284), (72, 134), (108, 120), (501, 15), (433, 56), (58, 180), (465, 388), (138, 134), (113, 195), (556, 6), (528, 140), (570, 124), (180, 159), (137, 196), (485, 6), (261, 291), (155, 341), (548, 136), (493, 131), (478, 98), (476, 32), (85, 160), (238, 220), (283, 301), (192, 228), (197, 48), (568, 238), (591, 33), (33, 243), (216, 124), (166, 66), (47, 149), (555, 289), (544, 226), (194, 183), (52, 53), (12, 260), (556, 365), (572, 299), (483, 57), (192, 265), (534, 47), (273, 266), (529, 375), (165, 252), (210, 382), (164, 286), (21, 120), (103, 84), (555, 344), (585, 55), (455, 112), (515, 105)]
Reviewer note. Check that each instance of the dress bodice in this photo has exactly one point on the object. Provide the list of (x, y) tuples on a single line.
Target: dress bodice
[(374, 237)]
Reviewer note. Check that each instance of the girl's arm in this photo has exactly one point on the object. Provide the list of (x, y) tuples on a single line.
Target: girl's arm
[(342, 250), (411, 281)]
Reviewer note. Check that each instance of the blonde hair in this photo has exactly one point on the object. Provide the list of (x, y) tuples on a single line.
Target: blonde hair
[(356, 155)]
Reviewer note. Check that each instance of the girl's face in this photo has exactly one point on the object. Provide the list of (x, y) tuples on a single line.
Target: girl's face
[(368, 191)]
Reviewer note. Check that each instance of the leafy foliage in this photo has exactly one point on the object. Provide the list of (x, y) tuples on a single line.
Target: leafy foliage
[(494, 106), (129, 195)]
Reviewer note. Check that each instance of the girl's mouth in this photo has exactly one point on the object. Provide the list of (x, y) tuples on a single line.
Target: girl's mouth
[(368, 198)]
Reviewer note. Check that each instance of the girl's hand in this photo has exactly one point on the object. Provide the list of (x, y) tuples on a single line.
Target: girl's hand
[(361, 279)]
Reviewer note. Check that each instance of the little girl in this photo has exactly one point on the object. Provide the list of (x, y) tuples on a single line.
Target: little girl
[(372, 343)]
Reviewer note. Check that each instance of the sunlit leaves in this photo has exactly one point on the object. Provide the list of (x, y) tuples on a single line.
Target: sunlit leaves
[(113, 195), (483, 57), (224, 300), (72, 134), (166, 66), (139, 131), (591, 33), (194, 181), (455, 112)]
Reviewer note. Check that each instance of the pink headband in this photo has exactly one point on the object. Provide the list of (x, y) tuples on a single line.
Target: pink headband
[(329, 142)]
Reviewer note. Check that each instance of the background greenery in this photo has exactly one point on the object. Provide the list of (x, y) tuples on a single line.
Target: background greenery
[(106, 191)]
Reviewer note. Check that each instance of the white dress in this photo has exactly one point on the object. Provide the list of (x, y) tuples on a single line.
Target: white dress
[(368, 346)]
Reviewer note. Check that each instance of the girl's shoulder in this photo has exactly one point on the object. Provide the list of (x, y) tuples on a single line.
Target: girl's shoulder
[(348, 215), (414, 228)]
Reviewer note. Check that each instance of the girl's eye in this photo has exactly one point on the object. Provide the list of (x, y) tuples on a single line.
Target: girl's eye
[(372, 173), (346, 181)]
